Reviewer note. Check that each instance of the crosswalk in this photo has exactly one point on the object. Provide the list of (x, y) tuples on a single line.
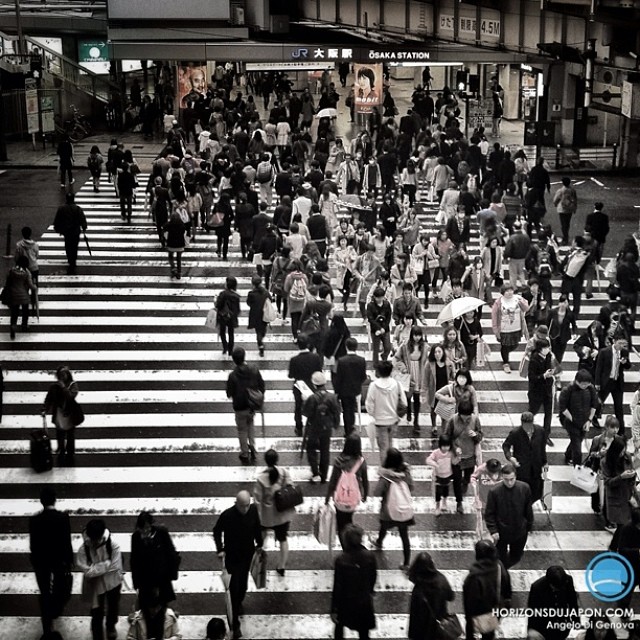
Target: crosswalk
[(160, 434)]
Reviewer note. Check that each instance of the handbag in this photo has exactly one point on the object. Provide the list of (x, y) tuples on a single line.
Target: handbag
[(255, 398), (523, 368), (446, 410), (448, 627), (433, 263), (288, 497), (489, 622), (324, 525), (418, 265), (74, 412), (258, 568), (210, 321), (584, 478)]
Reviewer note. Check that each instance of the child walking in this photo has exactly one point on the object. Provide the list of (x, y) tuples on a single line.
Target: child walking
[(442, 460)]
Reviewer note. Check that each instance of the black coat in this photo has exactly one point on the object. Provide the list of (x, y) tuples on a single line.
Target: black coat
[(480, 588), (238, 535), (255, 301), (50, 540), (428, 603), (353, 584), (509, 511), (242, 378), (69, 220), (153, 562), (598, 222), (542, 596), (454, 233), (232, 300), (529, 452), (351, 373), (304, 365)]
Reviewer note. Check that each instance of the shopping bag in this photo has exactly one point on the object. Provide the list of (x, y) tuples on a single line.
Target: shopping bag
[(210, 321), (303, 388), (547, 492), (226, 581), (482, 354), (523, 369), (403, 378), (584, 478), (258, 568), (324, 525)]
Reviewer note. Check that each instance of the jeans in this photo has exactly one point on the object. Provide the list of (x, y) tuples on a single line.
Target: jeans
[(403, 530), (112, 601), (317, 442), (349, 408), (516, 271), (343, 518), (565, 224), (297, 411), (384, 436), (573, 287), (416, 408), (222, 245), (246, 436), (573, 452), (424, 281), (295, 322), (175, 261), (514, 553), (376, 341), (226, 329), (66, 170), (461, 480)]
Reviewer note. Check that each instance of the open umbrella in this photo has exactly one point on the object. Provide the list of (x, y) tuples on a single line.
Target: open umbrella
[(327, 113), (458, 307)]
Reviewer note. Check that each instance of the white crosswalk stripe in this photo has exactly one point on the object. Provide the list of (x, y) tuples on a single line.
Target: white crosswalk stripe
[(160, 434)]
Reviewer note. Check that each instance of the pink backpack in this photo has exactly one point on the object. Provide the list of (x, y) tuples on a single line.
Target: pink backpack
[(347, 495)]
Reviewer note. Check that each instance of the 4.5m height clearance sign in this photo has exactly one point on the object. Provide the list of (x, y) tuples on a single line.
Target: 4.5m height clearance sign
[(367, 87)]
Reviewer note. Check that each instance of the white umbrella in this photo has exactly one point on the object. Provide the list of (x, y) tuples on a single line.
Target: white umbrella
[(327, 113), (458, 307)]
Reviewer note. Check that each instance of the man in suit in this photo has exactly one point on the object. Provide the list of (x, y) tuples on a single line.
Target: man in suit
[(351, 373), (302, 367), (51, 557), (525, 449), (609, 379), (458, 228)]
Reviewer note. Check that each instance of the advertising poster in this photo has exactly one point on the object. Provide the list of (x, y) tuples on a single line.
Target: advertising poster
[(367, 87), (192, 82)]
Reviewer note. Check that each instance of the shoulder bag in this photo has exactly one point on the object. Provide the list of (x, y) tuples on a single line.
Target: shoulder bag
[(489, 622), (448, 627), (446, 410), (288, 497)]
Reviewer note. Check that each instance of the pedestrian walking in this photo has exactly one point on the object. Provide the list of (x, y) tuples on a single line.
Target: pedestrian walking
[(628, 545), (256, 300), (554, 592), (619, 478), (301, 368), (573, 269), (154, 561), (126, 188), (94, 163), (516, 250), (268, 483), (562, 327), (245, 387), (429, 598), (442, 460), (228, 312), (379, 318), (60, 403), (386, 403), (237, 535), (29, 247), (611, 364), (51, 557), (509, 516), (541, 374), (577, 406), (350, 375), (395, 486), (69, 221), (485, 588), (354, 580), (153, 621), (525, 448), (508, 322), (175, 238), (65, 161), (439, 373), (100, 561), (17, 293), (565, 200), (323, 416), (486, 476), (296, 293)]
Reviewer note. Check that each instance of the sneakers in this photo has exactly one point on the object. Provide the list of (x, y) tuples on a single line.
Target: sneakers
[(404, 568), (438, 509), (459, 508), (506, 368), (549, 442), (314, 479), (261, 351), (443, 503), (375, 545)]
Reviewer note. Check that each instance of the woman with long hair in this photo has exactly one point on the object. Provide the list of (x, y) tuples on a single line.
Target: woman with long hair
[(508, 322), (409, 181), (394, 470), (268, 483), (256, 299), (444, 248), (411, 358), (438, 373), (422, 253), (453, 347), (619, 482), (175, 238), (344, 257), (334, 343), (61, 394)]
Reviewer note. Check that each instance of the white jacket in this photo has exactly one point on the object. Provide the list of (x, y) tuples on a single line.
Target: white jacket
[(384, 398), (101, 572)]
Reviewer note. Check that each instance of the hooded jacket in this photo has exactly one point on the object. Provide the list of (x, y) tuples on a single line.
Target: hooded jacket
[(480, 588), (243, 377), (263, 497), (386, 400), (102, 571), (28, 248)]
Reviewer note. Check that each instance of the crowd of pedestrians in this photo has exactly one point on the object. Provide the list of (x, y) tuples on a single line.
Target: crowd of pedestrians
[(327, 213)]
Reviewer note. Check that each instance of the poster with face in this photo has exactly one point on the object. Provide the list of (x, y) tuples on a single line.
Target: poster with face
[(368, 87), (192, 83)]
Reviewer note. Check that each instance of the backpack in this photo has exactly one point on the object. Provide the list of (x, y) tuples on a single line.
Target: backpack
[(94, 162), (225, 312), (347, 495), (184, 214), (399, 504), (263, 175), (216, 219), (311, 324), (472, 183), (277, 282), (323, 417), (298, 292), (544, 263)]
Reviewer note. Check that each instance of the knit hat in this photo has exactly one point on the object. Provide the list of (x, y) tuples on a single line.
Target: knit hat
[(318, 379), (542, 331)]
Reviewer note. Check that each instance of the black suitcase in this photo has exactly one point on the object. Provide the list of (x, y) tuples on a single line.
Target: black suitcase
[(40, 450)]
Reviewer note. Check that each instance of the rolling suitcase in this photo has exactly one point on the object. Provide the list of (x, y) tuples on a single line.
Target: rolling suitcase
[(40, 448)]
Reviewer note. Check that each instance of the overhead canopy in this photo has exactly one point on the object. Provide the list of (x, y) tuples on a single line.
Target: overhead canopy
[(562, 52)]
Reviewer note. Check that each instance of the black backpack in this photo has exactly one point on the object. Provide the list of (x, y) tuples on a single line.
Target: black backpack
[(323, 418)]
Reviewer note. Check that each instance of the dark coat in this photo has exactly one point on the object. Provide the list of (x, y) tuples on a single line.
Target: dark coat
[(604, 364), (351, 373), (353, 585), (69, 220), (304, 365), (242, 378), (598, 222), (539, 386), (579, 402), (259, 224), (509, 511), (529, 452), (18, 286), (454, 233), (153, 562), (542, 596), (561, 331), (480, 588), (244, 218), (428, 604), (232, 300), (50, 540), (255, 300), (238, 535)]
